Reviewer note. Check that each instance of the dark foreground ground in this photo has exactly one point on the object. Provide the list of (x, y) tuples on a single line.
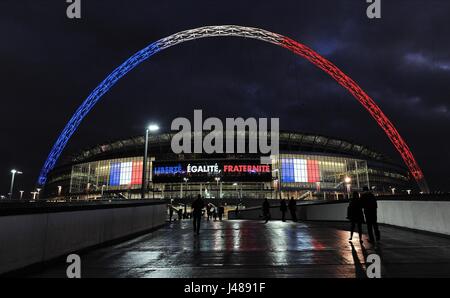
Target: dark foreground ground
[(241, 248)]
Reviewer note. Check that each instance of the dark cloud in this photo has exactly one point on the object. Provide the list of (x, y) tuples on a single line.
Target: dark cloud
[(50, 64)]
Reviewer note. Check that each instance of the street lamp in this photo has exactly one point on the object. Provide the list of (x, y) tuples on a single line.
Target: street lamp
[(237, 199), (21, 194), (217, 183), (150, 128), (348, 184), (103, 189), (393, 190), (185, 179), (38, 190), (59, 190), (13, 174)]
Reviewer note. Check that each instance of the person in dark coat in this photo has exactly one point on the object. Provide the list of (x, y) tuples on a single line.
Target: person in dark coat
[(370, 206), (221, 211), (214, 212), (208, 212), (266, 210), (283, 209), (170, 212), (293, 209), (355, 215), (197, 209)]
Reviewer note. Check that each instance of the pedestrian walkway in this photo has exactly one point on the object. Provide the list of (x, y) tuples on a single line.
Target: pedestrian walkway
[(240, 248)]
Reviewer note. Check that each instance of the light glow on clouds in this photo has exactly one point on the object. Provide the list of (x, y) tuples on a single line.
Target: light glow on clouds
[(421, 60)]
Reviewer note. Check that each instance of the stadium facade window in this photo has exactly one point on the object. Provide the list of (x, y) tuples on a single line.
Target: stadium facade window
[(305, 171)]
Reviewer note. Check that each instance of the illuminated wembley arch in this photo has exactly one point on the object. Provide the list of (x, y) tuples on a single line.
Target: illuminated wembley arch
[(237, 31)]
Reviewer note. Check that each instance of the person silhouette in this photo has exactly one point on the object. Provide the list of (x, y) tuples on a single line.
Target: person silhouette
[(355, 215), (216, 213), (170, 212), (293, 209), (197, 209), (221, 211), (213, 212), (370, 206), (266, 210), (208, 212), (283, 209)]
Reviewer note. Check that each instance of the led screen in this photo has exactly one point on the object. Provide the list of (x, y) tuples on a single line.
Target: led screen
[(299, 170), (208, 170), (125, 173)]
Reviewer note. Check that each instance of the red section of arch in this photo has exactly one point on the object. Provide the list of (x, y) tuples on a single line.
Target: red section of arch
[(368, 103)]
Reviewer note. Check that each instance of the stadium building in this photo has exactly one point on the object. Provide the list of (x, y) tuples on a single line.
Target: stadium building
[(308, 166)]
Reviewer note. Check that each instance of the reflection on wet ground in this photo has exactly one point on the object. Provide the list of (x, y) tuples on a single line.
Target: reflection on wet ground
[(241, 248)]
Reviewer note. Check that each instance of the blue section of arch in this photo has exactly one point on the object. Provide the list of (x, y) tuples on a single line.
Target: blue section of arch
[(90, 102)]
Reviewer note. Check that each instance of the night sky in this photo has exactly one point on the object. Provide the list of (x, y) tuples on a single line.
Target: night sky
[(50, 63)]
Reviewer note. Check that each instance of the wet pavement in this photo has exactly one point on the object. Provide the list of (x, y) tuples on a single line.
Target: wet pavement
[(240, 248)]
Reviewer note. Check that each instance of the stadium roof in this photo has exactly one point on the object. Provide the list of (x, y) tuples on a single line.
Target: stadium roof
[(289, 141)]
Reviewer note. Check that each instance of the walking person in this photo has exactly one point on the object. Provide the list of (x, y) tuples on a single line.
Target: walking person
[(283, 209), (213, 212), (266, 210), (170, 212), (221, 211), (355, 215), (207, 211), (370, 206), (293, 209), (197, 209)]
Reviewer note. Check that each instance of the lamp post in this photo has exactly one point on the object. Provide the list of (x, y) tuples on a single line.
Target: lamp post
[(13, 175), (150, 128), (59, 190), (21, 194), (237, 197), (348, 184), (103, 189), (38, 190), (393, 190), (217, 184), (185, 179)]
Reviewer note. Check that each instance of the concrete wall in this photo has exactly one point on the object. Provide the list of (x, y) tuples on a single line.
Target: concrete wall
[(425, 215), (431, 216), (32, 238), (332, 211)]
